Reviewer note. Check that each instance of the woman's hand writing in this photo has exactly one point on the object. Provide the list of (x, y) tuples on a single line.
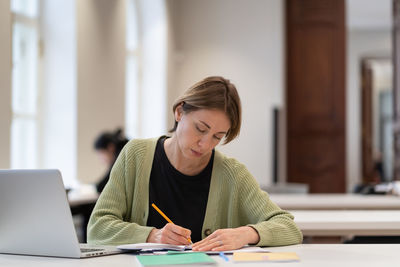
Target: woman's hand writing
[(228, 239), (170, 234)]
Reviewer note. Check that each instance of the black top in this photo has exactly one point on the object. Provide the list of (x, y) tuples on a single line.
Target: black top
[(181, 197)]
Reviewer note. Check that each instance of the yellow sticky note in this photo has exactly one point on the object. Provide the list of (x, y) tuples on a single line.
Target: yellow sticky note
[(264, 256)]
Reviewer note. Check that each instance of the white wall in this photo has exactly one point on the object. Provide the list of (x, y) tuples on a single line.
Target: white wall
[(244, 42), (100, 78), (5, 83), (360, 43)]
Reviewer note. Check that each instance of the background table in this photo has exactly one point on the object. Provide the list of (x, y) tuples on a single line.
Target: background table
[(348, 222), (77, 198), (336, 201), (82, 203)]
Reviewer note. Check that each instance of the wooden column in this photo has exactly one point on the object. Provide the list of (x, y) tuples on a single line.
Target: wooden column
[(315, 46)]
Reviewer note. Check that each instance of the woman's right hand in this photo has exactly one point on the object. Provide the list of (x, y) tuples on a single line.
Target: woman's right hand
[(170, 234)]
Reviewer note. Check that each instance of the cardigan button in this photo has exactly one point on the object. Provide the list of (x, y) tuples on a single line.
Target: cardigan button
[(207, 232)]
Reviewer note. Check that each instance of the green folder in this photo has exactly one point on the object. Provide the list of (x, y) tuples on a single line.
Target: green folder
[(179, 259)]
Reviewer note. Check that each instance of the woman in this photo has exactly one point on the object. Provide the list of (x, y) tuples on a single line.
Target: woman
[(212, 199)]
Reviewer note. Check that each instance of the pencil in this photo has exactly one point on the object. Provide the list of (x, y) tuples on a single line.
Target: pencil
[(165, 217)]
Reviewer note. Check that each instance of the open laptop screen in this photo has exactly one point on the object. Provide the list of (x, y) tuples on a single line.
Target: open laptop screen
[(35, 215)]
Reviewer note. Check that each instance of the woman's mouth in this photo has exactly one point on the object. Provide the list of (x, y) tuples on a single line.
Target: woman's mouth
[(197, 154)]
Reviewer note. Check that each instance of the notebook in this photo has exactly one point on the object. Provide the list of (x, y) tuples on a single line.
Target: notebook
[(157, 247), (35, 217), (152, 247), (176, 259)]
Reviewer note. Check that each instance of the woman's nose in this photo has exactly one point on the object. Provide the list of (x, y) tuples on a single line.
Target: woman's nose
[(204, 142)]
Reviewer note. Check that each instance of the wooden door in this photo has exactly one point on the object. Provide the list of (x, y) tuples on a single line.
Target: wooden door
[(315, 94), (367, 154)]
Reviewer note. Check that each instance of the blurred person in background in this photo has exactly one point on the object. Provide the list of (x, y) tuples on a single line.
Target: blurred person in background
[(108, 145)]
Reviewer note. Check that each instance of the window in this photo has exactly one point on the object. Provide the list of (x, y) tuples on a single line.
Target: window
[(58, 126), (146, 68), (43, 86), (25, 60), (132, 103)]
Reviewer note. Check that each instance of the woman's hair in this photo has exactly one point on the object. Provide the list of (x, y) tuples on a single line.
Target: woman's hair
[(106, 138), (213, 92)]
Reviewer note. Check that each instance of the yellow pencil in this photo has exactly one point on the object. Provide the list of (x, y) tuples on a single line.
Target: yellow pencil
[(165, 217)]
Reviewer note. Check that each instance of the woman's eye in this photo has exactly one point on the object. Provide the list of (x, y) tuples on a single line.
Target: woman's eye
[(200, 130), (218, 138)]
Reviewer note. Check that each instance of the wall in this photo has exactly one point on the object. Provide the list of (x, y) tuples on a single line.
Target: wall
[(5, 83), (242, 41), (100, 78)]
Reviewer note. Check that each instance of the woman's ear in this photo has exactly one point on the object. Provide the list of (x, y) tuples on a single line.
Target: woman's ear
[(178, 112)]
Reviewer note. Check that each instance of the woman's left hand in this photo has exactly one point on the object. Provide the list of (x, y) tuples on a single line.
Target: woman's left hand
[(228, 239)]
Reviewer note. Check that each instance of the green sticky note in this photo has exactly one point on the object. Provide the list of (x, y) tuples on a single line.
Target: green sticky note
[(175, 259)]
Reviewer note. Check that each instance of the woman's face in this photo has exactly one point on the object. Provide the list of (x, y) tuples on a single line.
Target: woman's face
[(198, 132), (107, 156)]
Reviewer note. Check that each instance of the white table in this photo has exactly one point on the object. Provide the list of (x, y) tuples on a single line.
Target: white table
[(336, 201), (365, 255), (82, 203), (348, 222), (78, 198)]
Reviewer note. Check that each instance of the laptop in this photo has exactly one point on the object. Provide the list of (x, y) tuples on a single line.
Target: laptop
[(35, 217)]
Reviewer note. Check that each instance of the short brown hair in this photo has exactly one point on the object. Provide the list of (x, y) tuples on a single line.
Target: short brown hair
[(213, 92)]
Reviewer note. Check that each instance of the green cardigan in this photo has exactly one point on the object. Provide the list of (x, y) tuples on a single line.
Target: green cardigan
[(235, 199)]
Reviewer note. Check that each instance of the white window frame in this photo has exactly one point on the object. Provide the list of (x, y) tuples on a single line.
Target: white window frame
[(133, 77), (25, 150)]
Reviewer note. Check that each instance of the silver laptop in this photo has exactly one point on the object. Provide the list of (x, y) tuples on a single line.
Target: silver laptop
[(35, 217)]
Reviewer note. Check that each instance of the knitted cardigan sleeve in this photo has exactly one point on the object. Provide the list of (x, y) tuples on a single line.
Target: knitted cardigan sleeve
[(119, 216), (275, 226), (244, 203)]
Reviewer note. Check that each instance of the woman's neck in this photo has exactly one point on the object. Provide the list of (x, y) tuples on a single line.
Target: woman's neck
[(180, 162)]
